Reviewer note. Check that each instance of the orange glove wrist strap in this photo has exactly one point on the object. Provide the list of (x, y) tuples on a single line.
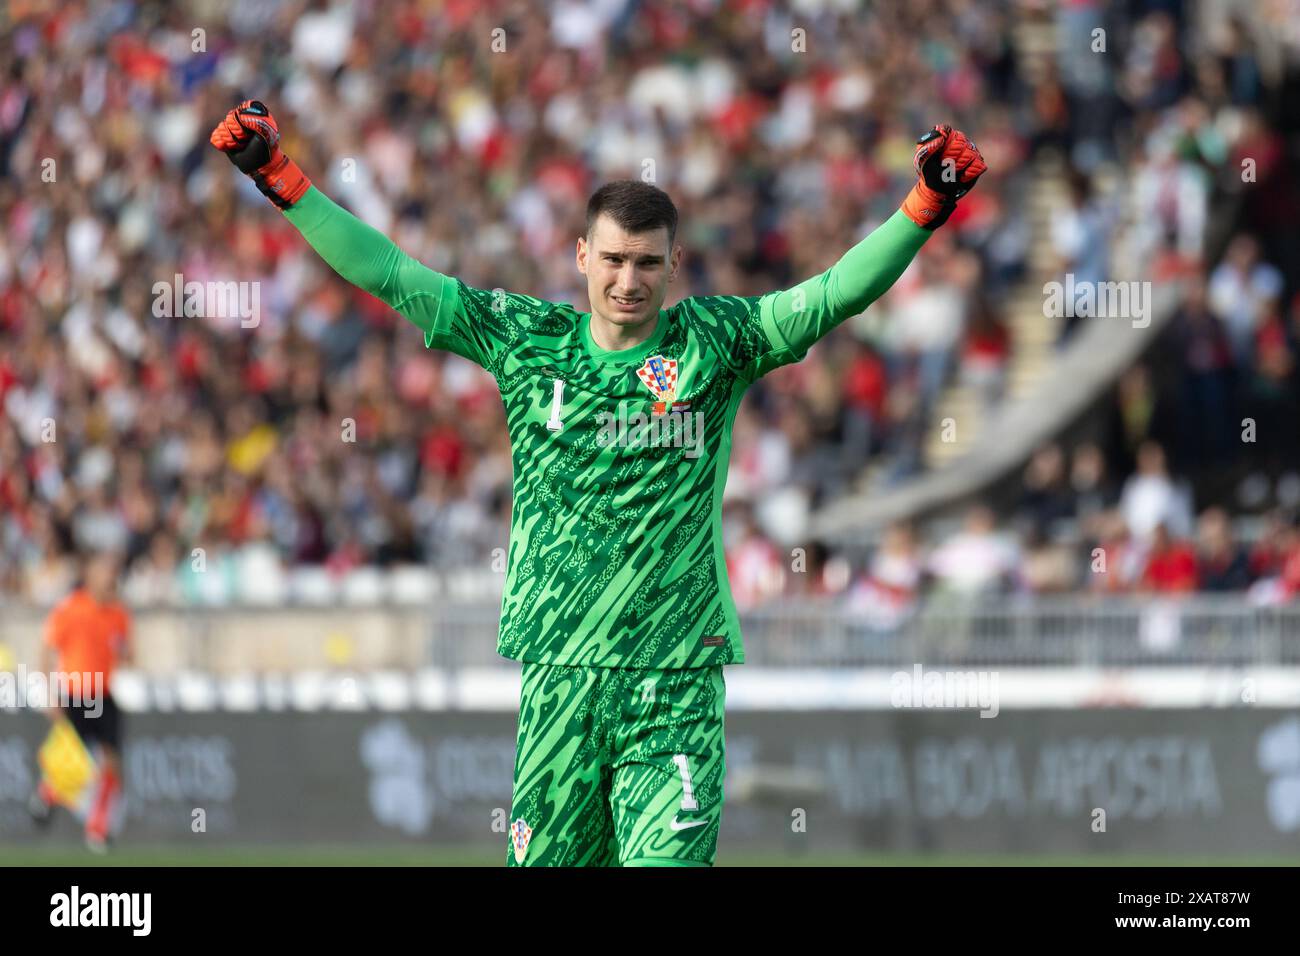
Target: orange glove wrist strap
[(281, 181), (927, 208)]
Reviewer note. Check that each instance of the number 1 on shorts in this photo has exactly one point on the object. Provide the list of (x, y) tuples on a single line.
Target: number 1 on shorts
[(688, 797)]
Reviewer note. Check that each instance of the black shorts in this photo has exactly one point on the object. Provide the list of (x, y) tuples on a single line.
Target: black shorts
[(102, 728)]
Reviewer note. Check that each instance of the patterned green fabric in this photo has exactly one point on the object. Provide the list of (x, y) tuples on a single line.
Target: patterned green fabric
[(615, 555), (617, 766)]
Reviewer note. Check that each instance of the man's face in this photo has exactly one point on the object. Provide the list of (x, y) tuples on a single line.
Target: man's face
[(627, 272), (101, 575)]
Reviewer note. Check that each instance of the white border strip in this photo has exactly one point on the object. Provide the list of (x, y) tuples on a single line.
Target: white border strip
[(748, 688)]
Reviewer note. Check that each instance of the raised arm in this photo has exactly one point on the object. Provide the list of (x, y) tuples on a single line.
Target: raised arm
[(374, 263), (947, 166), (470, 322), (797, 317)]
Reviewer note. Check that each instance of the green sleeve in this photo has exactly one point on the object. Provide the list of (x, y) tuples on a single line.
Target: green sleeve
[(795, 318), (444, 308)]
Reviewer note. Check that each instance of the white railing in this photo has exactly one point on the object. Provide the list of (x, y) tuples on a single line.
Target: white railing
[(1058, 632)]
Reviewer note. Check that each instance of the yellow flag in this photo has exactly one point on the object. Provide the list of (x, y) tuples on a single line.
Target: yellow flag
[(67, 764)]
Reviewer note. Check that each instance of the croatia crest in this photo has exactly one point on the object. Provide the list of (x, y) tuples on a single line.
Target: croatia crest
[(659, 374), (520, 834)]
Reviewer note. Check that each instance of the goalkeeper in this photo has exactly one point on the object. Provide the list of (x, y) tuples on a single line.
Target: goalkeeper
[(616, 596)]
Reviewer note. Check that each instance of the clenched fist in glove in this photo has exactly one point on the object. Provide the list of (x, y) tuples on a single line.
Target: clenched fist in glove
[(250, 137), (947, 166)]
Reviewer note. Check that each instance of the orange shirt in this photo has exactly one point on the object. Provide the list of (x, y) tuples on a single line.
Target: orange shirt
[(88, 636)]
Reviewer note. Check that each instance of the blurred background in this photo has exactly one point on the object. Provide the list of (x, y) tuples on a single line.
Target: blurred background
[(1093, 517)]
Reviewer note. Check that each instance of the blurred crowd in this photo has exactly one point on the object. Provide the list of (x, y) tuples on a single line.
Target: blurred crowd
[(472, 134), (1075, 530)]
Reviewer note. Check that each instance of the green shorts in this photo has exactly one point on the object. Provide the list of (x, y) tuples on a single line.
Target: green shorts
[(617, 767)]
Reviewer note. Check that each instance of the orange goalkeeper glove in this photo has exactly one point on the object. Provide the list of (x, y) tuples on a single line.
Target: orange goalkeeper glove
[(250, 137), (947, 167)]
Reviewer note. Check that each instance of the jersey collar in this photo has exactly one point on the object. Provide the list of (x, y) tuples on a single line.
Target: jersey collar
[(636, 353)]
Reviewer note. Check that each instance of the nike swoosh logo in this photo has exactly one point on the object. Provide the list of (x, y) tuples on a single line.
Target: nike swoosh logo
[(686, 826)]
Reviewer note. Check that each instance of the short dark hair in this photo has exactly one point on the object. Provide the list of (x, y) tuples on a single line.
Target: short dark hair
[(634, 205)]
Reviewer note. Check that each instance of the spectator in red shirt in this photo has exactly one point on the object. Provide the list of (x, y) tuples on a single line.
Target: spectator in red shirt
[(1291, 567), (864, 392), (1171, 564), (1269, 551), (985, 350)]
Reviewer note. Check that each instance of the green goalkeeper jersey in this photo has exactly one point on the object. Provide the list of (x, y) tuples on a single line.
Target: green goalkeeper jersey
[(619, 457)]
